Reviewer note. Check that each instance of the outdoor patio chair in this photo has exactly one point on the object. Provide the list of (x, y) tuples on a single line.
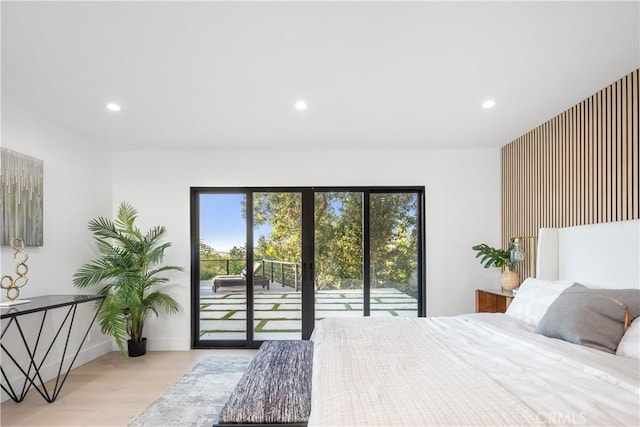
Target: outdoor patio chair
[(239, 279)]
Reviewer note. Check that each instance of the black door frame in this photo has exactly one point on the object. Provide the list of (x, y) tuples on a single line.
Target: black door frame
[(308, 254)]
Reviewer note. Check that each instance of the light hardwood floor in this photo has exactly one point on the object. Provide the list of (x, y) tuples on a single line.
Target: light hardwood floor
[(108, 391)]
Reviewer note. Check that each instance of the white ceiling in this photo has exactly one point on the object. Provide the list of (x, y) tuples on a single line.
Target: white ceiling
[(226, 75)]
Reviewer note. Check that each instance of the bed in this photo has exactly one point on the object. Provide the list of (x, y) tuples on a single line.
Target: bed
[(542, 363)]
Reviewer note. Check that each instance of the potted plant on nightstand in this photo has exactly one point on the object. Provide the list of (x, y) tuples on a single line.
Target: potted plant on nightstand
[(130, 272), (492, 257)]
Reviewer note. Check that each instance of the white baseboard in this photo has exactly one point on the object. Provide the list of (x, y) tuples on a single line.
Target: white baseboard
[(168, 344)]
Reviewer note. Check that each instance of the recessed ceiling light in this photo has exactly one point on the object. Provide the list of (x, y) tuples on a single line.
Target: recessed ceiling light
[(112, 106), (301, 105), (489, 103)]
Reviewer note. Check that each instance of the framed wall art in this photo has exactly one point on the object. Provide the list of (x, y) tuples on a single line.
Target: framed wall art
[(21, 179)]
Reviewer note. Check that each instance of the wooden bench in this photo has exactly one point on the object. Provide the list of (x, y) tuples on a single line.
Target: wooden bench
[(275, 389)]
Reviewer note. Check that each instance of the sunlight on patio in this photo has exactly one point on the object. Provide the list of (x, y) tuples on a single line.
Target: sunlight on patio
[(277, 310)]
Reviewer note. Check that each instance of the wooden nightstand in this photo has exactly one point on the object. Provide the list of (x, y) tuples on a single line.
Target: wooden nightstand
[(492, 300)]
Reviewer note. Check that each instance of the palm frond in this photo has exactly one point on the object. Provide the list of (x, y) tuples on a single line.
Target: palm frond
[(128, 270), (154, 234), (126, 218), (156, 253), (103, 227), (158, 299), (163, 269), (112, 320)]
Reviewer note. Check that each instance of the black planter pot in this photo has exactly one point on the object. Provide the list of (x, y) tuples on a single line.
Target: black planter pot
[(137, 348)]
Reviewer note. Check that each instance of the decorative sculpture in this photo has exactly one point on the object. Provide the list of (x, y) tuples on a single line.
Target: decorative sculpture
[(8, 283)]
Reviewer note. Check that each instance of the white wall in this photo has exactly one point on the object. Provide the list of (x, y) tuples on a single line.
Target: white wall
[(77, 188), (83, 180), (462, 208)]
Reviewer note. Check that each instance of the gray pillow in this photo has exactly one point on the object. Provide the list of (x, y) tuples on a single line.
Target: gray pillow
[(590, 317)]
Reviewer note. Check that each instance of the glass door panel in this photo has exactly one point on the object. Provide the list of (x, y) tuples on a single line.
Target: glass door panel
[(223, 259), (339, 286), (348, 252), (277, 297), (394, 254)]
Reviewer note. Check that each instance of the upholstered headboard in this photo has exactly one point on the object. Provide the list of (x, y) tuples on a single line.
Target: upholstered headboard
[(603, 255)]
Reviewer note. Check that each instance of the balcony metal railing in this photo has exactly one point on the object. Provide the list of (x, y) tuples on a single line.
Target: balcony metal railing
[(214, 267), (282, 272), (288, 273)]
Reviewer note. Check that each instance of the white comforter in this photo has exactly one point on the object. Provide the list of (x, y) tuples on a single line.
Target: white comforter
[(480, 369)]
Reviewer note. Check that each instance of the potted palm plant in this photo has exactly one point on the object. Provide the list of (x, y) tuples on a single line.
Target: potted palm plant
[(500, 258), (129, 271)]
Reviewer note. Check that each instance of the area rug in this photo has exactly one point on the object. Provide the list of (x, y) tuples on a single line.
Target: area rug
[(195, 399)]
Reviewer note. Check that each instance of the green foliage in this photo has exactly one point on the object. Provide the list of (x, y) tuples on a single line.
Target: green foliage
[(208, 265), (128, 271), (492, 257), (283, 212), (338, 240), (394, 241), (338, 237), (214, 263)]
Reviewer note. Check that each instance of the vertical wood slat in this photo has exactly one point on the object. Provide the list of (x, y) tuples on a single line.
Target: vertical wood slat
[(582, 185), (633, 189), (599, 157), (610, 199), (588, 160), (618, 153), (635, 115), (614, 154), (624, 124), (564, 166), (593, 164), (575, 166), (580, 167)]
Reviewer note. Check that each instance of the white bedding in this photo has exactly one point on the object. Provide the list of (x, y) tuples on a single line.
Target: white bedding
[(478, 369)]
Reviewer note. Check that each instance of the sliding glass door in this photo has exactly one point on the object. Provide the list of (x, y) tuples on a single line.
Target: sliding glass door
[(338, 242), (277, 245), (394, 254), (222, 258), (268, 264)]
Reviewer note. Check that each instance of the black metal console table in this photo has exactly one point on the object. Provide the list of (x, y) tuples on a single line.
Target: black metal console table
[(31, 373)]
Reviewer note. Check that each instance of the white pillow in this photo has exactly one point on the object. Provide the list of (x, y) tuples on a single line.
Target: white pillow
[(629, 345), (533, 298)]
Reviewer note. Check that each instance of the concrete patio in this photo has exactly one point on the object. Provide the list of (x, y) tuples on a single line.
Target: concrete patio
[(277, 310)]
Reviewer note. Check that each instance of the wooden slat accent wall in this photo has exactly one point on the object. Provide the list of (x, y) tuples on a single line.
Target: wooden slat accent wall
[(581, 167)]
